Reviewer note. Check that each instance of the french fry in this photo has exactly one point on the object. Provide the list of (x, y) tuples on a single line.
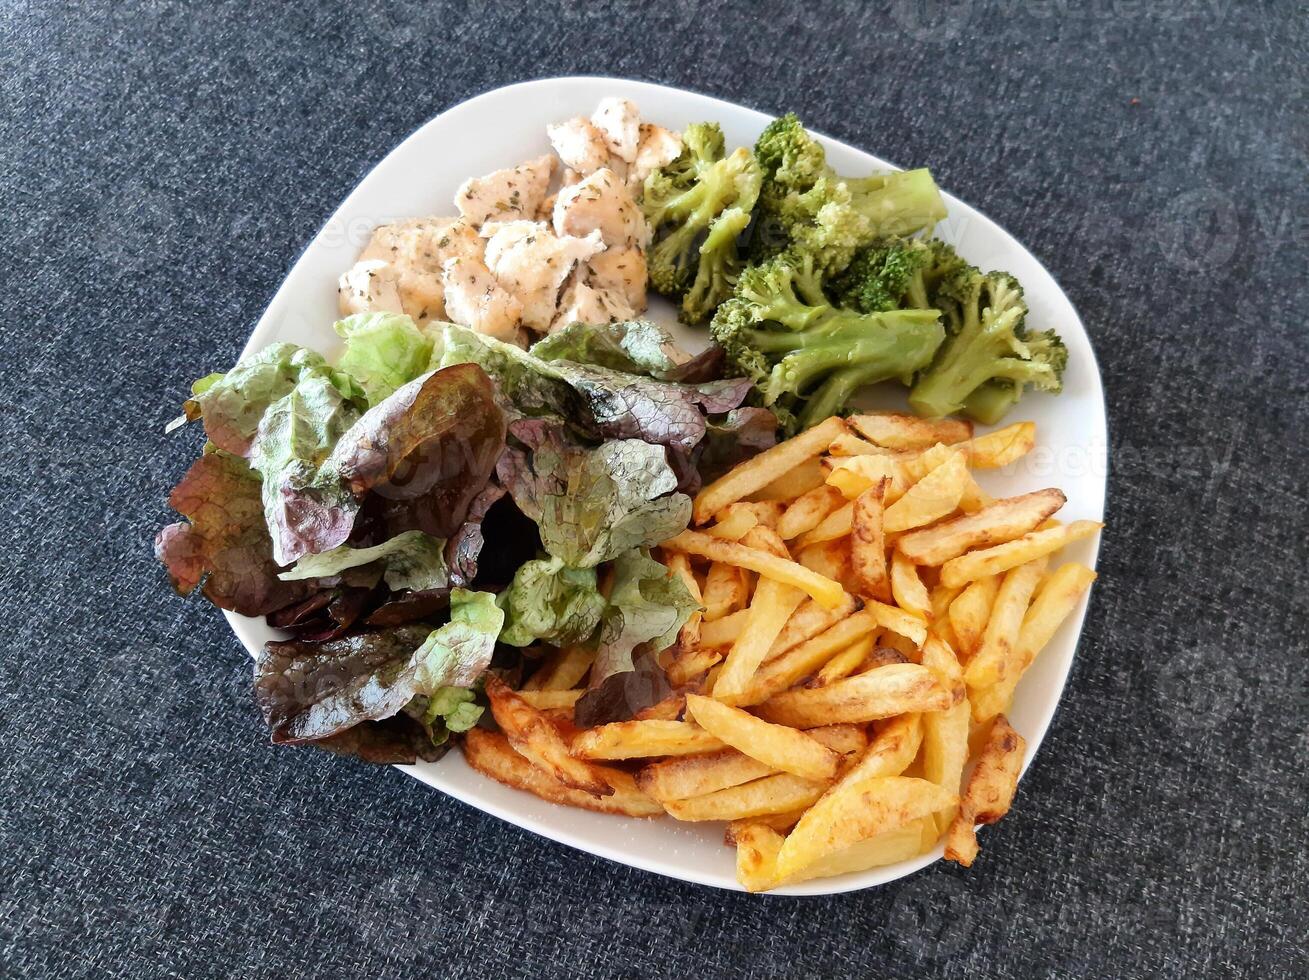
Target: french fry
[(778, 793), (830, 559), (995, 655), (945, 751), (772, 606), (848, 444), (725, 591), (777, 746), (759, 471), (941, 600), (767, 512), (908, 589), (732, 522), (807, 511), (789, 485), (1001, 447), (669, 709), (938, 656), (491, 754), (563, 669), (690, 664), (974, 498), (685, 776), (845, 663), (780, 822), (897, 431), (906, 624), (545, 700), (1002, 557), (931, 498), (1056, 599), (824, 590), (889, 753), (756, 855), (860, 810), (724, 630), (990, 790), (643, 740), (835, 525), (533, 736), (888, 847), (764, 538), (879, 693), (868, 543), (785, 669), (998, 522), (855, 474), (970, 611), (810, 620)]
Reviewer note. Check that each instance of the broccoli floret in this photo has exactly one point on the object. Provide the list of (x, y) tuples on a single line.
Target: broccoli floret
[(805, 206), (987, 358), (896, 274), (698, 206), (807, 356)]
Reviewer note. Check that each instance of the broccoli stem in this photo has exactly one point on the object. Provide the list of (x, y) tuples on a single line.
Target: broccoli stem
[(989, 403)]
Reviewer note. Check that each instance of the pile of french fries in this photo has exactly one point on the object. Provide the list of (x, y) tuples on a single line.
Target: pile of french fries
[(867, 611)]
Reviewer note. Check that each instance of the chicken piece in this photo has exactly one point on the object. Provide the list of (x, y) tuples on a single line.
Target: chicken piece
[(414, 249), (579, 144), (658, 148), (506, 195), (620, 123), (475, 299), (532, 262), (601, 202), (369, 287), (583, 302), (620, 271)]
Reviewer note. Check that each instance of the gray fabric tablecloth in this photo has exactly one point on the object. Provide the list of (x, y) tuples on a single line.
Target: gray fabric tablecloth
[(162, 164)]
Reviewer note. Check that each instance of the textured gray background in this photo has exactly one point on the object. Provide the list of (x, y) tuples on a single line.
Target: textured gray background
[(162, 165)]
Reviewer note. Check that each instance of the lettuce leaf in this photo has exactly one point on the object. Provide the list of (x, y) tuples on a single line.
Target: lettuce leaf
[(634, 346), (382, 352), (548, 601), (591, 504), (647, 605), (224, 542), (413, 560), (233, 404)]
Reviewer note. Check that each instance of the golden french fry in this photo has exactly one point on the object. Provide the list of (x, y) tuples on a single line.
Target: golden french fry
[(669, 709), (643, 739), (779, 793), (889, 753), (680, 566), (845, 663), (766, 512), (545, 700), (971, 610), (772, 606), (940, 657), (931, 498), (1056, 599), (1000, 448), (990, 790), (995, 655), (974, 498), (942, 597), (912, 628), (685, 776), (832, 560), (789, 485), (824, 590), (782, 670), (868, 543), (764, 538), (897, 431), (1002, 557), (945, 750), (563, 669), (888, 847), (780, 822), (759, 471), (756, 855), (835, 525), (998, 522), (777, 746), (491, 754), (732, 522), (810, 620), (860, 810), (725, 590), (534, 737), (879, 693), (690, 664), (908, 589), (848, 444), (808, 510), (855, 474), (724, 630)]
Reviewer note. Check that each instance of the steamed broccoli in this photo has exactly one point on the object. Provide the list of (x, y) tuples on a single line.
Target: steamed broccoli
[(806, 207), (807, 355), (697, 207), (987, 357)]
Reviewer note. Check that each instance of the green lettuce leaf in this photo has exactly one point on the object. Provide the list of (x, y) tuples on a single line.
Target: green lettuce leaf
[(635, 346), (647, 605), (549, 601), (307, 506), (413, 560), (383, 351), (591, 504), (458, 653)]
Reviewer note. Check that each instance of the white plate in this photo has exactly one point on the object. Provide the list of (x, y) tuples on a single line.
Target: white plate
[(501, 128)]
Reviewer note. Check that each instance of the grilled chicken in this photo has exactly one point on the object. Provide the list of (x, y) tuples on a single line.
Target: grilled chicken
[(506, 195), (601, 202), (531, 263)]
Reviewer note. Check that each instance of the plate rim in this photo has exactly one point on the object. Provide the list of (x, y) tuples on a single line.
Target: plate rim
[(430, 773)]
